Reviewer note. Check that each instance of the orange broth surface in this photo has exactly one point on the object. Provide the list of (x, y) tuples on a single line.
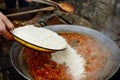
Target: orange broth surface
[(41, 67)]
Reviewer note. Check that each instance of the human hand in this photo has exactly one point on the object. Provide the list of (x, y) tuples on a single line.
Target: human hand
[(5, 25)]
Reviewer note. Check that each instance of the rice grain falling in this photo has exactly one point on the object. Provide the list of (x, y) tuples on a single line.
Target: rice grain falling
[(71, 59), (41, 37)]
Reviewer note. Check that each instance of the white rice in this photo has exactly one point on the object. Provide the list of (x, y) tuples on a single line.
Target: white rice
[(41, 37), (73, 60)]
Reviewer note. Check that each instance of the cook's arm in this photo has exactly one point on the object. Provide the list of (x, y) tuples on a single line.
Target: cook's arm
[(5, 25)]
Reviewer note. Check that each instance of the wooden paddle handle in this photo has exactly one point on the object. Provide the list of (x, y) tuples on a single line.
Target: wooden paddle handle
[(32, 11)]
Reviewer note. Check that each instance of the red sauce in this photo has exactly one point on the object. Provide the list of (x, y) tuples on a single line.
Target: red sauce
[(41, 67)]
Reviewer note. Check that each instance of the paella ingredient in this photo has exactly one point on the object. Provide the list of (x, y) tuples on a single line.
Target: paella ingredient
[(74, 61), (41, 37), (41, 67), (61, 65), (91, 50), (87, 62)]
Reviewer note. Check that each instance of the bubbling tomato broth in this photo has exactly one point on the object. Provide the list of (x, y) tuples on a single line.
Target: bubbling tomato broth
[(41, 67)]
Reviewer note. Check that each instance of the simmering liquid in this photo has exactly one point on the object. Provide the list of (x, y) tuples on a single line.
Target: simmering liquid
[(42, 67)]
